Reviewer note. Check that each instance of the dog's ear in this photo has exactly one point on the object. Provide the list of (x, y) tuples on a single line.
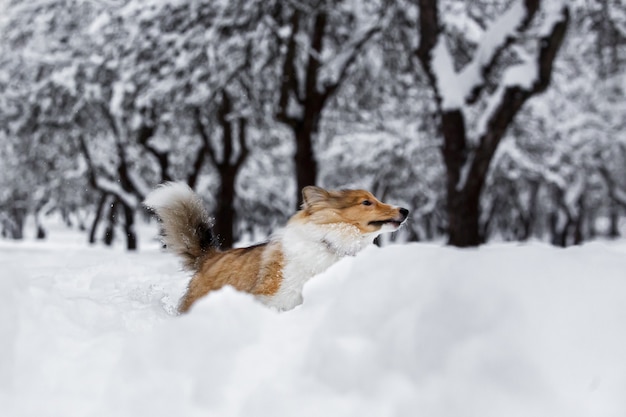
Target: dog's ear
[(312, 195)]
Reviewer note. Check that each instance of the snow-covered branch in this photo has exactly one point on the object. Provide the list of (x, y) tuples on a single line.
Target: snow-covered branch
[(510, 149), (289, 86), (519, 83), (500, 34), (447, 85), (616, 193), (455, 89), (103, 184), (467, 162), (345, 60), (114, 188), (202, 131)]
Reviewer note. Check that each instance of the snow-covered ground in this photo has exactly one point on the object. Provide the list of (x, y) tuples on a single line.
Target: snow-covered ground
[(407, 330)]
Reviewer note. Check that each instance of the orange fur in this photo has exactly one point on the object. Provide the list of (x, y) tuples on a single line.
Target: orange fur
[(256, 269)]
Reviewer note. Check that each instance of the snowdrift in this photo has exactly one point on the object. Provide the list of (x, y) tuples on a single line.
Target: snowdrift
[(413, 330)]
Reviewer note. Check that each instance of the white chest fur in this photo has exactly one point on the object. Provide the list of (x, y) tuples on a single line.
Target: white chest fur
[(309, 250)]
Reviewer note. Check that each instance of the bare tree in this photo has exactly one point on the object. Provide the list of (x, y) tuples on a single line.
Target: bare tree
[(467, 158), (305, 86), (235, 151)]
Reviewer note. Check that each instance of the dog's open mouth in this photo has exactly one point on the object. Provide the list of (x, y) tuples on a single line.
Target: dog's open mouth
[(393, 222)]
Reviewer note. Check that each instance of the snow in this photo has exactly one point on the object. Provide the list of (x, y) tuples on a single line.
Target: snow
[(554, 13), (457, 17), (99, 23), (406, 330), (464, 172), (456, 87), (447, 80), (335, 63), (509, 148), (115, 188), (523, 75), (66, 77), (493, 39)]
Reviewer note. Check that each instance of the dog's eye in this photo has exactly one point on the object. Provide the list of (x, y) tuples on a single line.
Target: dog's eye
[(366, 203)]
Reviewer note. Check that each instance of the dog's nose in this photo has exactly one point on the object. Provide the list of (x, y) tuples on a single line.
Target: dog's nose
[(404, 212)]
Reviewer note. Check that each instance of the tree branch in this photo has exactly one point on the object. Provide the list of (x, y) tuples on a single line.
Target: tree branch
[(289, 77), (343, 73), (125, 179), (314, 63), (615, 192), (108, 117), (430, 28), (244, 151), (227, 130), (90, 166), (144, 134), (499, 36), (104, 185), (192, 178), (514, 92), (452, 120), (206, 140)]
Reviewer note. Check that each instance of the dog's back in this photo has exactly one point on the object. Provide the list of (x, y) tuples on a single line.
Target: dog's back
[(255, 269)]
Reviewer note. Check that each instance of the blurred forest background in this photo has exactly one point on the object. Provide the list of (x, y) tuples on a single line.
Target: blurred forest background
[(489, 119)]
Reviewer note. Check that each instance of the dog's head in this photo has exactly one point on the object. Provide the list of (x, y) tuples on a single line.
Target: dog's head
[(358, 208)]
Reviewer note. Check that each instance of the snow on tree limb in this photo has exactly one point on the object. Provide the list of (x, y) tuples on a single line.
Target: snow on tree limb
[(521, 75), (616, 193), (446, 81), (113, 188), (467, 161), (530, 77), (454, 89), (289, 86), (570, 188), (103, 184), (497, 37), (510, 149), (519, 83), (342, 62)]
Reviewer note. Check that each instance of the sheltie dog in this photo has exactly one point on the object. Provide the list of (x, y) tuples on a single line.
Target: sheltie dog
[(329, 226)]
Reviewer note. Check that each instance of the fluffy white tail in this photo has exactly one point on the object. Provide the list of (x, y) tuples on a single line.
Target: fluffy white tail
[(186, 225)]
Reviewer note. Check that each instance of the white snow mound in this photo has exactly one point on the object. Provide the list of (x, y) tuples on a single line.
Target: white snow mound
[(415, 330)]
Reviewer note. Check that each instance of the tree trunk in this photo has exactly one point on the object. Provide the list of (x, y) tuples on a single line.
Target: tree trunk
[(129, 227), (228, 167), (302, 87), (463, 217), (613, 221), (467, 166), (192, 177), (530, 218), (578, 236), (560, 225), (17, 216), (41, 232), (109, 232), (225, 211), (97, 218), (305, 162)]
